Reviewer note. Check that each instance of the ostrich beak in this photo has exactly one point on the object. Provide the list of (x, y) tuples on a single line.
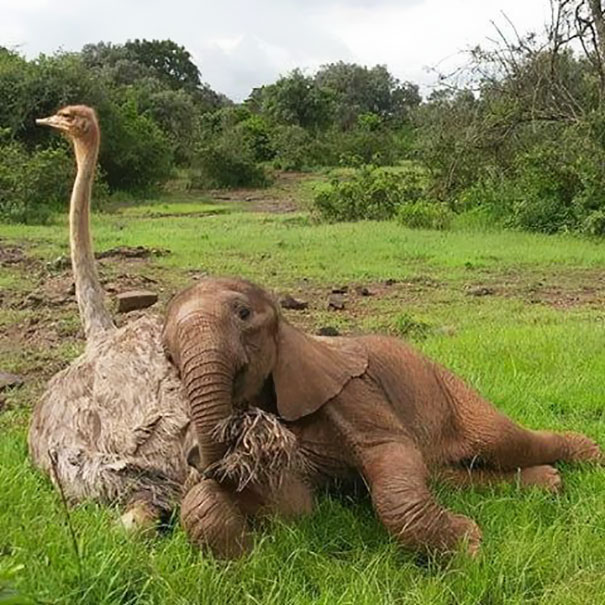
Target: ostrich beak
[(52, 121)]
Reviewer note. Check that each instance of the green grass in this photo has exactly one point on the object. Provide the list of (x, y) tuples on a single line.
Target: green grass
[(541, 362)]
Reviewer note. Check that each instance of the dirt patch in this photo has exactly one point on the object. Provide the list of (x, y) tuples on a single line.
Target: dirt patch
[(14, 255), (273, 203), (58, 289), (560, 298), (11, 255), (281, 198), (132, 252), (52, 291), (561, 289), (356, 301)]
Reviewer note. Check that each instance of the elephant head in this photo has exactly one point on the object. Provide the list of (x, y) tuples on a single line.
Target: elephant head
[(230, 343)]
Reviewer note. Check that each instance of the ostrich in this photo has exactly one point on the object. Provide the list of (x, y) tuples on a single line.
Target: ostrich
[(113, 426)]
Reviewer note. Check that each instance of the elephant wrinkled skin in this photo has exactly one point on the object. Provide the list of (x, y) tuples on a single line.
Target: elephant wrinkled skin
[(369, 406)]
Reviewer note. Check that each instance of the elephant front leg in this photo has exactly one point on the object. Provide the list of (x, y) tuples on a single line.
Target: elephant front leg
[(397, 476), (212, 519), (215, 516)]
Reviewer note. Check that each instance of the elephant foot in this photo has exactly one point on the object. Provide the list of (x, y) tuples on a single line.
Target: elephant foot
[(543, 475), (212, 519), (580, 448), (463, 532)]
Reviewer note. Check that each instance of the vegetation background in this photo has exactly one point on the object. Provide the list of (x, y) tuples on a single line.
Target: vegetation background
[(416, 210)]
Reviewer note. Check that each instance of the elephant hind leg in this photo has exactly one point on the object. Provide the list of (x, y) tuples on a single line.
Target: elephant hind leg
[(499, 442), (504, 445), (397, 478), (543, 476)]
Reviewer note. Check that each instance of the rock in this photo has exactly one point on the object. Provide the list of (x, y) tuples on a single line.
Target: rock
[(8, 381), (289, 302), (328, 331), (340, 290), (336, 302), (362, 291), (390, 281), (480, 291), (58, 264), (135, 299)]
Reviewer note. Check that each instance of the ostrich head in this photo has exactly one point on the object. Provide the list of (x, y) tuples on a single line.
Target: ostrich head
[(78, 122)]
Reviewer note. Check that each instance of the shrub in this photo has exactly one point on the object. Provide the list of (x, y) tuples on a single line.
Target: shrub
[(546, 191), (594, 223), (372, 193), (34, 186), (425, 215), (294, 148), (254, 133), (135, 154), (405, 326), (220, 167)]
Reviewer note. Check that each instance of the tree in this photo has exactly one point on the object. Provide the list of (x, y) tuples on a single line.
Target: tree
[(294, 99), (357, 90), (171, 63)]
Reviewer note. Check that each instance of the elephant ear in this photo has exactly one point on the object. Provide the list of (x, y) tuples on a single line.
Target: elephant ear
[(310, 371)]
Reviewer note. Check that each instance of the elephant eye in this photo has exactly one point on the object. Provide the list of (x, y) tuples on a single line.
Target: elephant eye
[(243, 312)]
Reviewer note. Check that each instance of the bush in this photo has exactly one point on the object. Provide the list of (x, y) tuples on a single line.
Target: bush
[(425, 215), (594, 223), (551, 188), (34, 186), (372, 193), (294, 148), (405, 326), (135, 154), (220, 167)]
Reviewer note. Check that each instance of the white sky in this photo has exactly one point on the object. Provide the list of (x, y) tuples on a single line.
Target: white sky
[(239, 44)]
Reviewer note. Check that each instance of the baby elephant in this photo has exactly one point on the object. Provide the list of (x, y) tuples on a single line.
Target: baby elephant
[(369, 406)]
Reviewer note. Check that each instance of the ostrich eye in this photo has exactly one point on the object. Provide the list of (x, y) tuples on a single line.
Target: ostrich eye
[(243, 312)]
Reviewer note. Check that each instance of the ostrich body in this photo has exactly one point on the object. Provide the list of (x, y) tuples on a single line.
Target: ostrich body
[(114, 425)]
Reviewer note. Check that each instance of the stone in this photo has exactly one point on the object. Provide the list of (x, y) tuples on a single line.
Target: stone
[(58, 264), (289, 302), (328, 331), (480, 291), (135, 299), (336, 302), (362, 291), (390, 281), (8, 381), (340, 290)]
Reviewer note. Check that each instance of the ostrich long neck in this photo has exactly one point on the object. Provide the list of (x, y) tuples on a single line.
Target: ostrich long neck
[(89, 292)]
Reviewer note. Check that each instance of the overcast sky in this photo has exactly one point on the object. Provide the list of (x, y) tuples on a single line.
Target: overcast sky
[(239, 44)]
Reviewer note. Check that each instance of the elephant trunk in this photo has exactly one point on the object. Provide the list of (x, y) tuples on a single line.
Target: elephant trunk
[(208, 380)]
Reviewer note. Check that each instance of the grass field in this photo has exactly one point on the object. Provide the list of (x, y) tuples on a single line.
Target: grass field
[(520, 316)]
